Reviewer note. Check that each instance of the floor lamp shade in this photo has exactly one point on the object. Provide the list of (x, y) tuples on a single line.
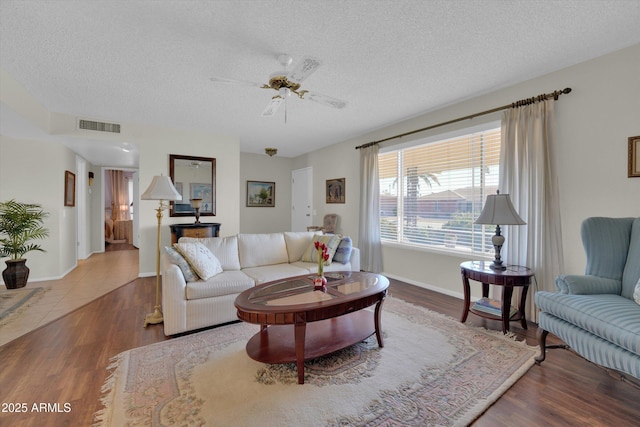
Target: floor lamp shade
[(162, 189), (498, 210)]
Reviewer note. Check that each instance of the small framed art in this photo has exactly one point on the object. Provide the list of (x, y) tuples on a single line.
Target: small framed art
[(69, 188), (634, 157), (335, 190), (261, 194)]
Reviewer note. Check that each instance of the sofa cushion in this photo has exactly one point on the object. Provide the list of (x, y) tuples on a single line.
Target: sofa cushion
[(269, 273), (262, 249), (330, 240), (297, 242), (176, 258), (225, 283), (203, 262), (611, 317), (343, 253), (223, 248)]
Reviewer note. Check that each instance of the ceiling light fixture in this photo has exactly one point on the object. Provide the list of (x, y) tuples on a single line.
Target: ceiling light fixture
[(271, 151)]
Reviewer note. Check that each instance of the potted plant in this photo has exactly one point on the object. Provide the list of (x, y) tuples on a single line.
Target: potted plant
[(19, 224)]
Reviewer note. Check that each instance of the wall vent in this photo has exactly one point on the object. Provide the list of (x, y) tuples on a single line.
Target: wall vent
[(99, 126)]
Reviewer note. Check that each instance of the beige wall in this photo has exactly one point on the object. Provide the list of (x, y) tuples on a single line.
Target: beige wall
[(260, 167), (592, 127)]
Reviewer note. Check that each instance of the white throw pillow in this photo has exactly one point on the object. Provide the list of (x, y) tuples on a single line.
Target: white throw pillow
[(203, 262), (636, 293), (223, 248)]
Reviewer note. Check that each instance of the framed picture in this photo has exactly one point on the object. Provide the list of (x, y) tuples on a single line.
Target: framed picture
[(200, 190), (335, 190), (634, 157), (261, 194), (69, 188)]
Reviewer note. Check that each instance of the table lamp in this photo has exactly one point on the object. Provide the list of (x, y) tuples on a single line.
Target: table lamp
[(197, 204), (498, 210), (161, 189)]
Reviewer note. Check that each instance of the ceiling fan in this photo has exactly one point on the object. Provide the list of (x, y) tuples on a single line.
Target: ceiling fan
[(286, 82)]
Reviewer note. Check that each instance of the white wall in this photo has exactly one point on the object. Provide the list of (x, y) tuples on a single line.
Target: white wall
[(260, 167), (593, 123), (33, 172)]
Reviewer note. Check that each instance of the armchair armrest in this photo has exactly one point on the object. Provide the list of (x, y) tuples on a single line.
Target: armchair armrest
[(587, 285)]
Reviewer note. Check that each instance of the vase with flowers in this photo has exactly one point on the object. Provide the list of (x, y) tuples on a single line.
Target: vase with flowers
[(320, 282)]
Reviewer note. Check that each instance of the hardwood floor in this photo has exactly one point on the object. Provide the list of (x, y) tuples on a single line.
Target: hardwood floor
[(65, 362)]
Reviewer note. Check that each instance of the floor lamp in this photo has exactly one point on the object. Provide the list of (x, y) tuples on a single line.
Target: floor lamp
[(499, 210), (161, 189)]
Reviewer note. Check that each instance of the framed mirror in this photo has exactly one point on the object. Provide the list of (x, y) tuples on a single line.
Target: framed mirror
[(194, 178)]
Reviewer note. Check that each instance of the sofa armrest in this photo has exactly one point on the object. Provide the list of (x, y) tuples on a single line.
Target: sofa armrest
[(587, 285), (174, 298), (354, 260)]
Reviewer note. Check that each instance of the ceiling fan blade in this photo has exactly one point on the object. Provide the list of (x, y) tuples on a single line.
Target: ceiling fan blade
[(325, 100), (225, 80), (272, 107), (303, 69)]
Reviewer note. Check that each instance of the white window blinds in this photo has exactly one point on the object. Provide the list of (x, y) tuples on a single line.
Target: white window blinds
[(431, 194)]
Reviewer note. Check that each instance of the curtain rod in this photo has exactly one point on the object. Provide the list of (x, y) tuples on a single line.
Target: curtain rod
[(522, 102)]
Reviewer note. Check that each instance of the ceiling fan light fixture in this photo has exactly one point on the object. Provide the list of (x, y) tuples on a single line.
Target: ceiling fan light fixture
[(271, 151), (284, 92)]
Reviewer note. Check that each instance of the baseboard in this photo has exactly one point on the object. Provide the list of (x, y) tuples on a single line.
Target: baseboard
[(448, 292)]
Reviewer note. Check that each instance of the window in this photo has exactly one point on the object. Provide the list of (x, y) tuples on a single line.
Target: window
[(432, 193)]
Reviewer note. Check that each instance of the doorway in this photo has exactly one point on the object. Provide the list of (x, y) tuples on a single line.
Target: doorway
[(119, 210)]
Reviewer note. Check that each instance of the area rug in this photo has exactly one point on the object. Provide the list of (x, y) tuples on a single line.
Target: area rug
[(14, 301), (432, 371)]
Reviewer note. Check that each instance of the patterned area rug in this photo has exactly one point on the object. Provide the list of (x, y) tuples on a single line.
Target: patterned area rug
[(14, 301), (433, 371)]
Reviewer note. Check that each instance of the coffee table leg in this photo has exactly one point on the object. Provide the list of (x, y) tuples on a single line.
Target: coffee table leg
[(377, 322), (299, 332)]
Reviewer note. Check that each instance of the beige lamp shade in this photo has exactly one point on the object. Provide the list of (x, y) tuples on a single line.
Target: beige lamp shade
[(196, 203), (498, 210), (161, 188)]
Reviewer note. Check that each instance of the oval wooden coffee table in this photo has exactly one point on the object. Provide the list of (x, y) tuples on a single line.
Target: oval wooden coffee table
[(298, 323)]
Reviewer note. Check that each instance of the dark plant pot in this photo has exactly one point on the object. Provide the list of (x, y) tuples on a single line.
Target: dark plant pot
[(16, 274)]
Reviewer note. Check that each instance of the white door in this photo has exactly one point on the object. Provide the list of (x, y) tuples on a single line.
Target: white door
[(301, 199)]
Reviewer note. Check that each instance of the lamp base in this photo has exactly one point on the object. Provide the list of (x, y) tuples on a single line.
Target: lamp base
[(496, 266), (154, 318)]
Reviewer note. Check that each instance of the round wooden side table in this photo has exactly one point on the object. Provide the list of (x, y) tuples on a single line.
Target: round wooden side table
[(513, 276)]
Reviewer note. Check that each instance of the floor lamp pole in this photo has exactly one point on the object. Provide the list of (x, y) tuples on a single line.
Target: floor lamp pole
[(156, 316)]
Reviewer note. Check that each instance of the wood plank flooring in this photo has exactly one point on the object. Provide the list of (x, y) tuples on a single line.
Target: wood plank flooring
[(65, 363)]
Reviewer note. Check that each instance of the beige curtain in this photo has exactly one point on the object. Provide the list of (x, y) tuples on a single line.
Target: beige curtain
[(527, 173), (369, 231), (119, 195)]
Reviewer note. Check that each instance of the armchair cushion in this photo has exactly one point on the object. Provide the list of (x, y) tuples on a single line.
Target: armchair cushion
[(587, 285), (636, 293)]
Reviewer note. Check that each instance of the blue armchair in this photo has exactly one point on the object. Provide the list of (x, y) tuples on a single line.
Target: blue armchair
[(595, 313)]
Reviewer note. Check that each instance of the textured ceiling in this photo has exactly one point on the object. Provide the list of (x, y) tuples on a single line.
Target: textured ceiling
[(150, 61)]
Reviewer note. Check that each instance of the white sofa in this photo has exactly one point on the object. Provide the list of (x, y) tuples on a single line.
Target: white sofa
[(246, 260)]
